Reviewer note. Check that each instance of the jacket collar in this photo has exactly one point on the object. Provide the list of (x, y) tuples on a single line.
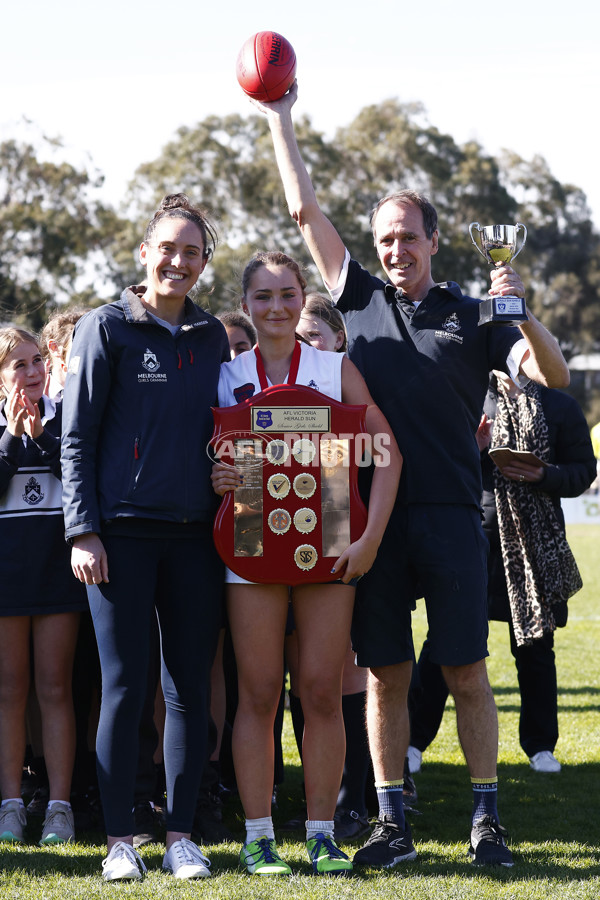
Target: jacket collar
[(136, 313)]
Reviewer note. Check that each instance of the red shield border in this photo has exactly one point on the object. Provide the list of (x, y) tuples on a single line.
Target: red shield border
[(280, 549)]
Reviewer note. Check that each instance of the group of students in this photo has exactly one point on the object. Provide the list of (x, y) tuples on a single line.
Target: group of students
[(139, 495), (138, 510)]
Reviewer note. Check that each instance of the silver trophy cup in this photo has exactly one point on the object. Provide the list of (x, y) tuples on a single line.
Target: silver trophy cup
[(498, 244)]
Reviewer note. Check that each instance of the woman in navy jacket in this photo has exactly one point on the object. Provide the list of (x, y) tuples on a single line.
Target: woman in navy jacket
[(138, 506)]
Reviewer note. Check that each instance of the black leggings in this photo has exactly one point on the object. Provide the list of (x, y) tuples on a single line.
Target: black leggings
[(182, 579)]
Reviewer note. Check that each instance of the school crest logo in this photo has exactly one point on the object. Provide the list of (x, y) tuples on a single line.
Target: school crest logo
[(244, 392), (313, 384), (451, 324), (150, 363), (264, 418), (33, 492)]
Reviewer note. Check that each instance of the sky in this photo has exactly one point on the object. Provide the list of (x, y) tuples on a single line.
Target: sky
[(115, 79)]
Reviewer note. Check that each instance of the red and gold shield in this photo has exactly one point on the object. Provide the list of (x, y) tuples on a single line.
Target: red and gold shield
[(299, 506)]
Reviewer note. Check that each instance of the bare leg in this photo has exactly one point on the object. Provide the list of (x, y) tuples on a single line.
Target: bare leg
[(387, 719), (322, 614), (476, 716), (257, 616), (14, 688), (354, 680), (54, 639)]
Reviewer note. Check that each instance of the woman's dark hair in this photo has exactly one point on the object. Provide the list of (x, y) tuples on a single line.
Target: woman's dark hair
[(271, 258), (237, 319), (177, 206)]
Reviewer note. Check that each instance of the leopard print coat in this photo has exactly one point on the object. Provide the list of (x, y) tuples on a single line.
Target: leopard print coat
[(541, 572)]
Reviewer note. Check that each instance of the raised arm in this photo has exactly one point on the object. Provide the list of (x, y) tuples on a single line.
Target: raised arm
[(543, 361), (324, 243)]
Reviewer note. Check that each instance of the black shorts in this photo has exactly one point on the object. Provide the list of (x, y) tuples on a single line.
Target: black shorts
[(435, 551)]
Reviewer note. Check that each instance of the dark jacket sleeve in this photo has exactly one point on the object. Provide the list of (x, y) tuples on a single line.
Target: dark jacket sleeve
[(48, 442), (573, 464), (10, 453), (85, 395), (13, 453)]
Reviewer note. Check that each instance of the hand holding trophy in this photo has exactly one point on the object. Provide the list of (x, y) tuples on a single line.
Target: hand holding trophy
[(498, 245)]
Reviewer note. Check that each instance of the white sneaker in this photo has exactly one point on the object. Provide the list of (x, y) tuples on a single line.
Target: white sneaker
[(184, 860), (544, 761), (123, 862), (415, 758)]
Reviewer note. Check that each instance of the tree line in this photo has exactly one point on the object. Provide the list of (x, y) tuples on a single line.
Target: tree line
[(62, 244)]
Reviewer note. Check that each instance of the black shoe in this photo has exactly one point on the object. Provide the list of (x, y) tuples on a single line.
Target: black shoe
[(145, 824), (38, 803), (409, 791), (208, 827), (488, 844), (84, 814), (349, 825), (387, 846), (296, 823)]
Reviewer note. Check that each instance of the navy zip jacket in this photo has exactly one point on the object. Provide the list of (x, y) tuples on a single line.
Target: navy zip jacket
[(137, 416)]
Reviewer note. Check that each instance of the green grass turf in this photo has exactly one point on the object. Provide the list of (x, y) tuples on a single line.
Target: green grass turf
[(553, 820)]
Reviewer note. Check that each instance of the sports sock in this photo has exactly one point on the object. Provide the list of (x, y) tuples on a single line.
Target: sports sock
[(314, 827), (18, 800), (485, 798), (62, 802), (258, 828), (391, 801)]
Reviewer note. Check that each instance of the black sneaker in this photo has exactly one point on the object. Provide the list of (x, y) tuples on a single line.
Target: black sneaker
[(145, 824), (387, 846), (488, 844), (349, 825)]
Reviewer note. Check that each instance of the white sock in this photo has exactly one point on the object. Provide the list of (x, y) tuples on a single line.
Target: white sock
[(18, 800), (258, 828), (314, 827), (62, 802)]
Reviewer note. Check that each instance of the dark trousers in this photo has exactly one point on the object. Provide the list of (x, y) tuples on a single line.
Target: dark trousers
[(181, 581), (536, 673)]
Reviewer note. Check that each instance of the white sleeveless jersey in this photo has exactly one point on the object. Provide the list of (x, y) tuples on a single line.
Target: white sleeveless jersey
[(320, 370)]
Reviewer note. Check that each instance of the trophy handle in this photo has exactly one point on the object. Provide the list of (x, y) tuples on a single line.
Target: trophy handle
[(524, 227), (475, 244)]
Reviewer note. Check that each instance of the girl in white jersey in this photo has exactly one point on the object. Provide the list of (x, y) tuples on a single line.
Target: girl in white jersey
[(273, 297)]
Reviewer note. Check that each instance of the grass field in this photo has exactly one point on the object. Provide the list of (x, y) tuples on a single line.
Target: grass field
[(553, 820)]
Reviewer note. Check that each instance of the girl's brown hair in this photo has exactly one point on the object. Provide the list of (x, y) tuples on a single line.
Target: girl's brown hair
[(271, 258), (322, 308), (11, 337)]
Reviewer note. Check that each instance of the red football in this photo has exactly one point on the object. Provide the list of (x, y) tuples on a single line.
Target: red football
[(266, 66)]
